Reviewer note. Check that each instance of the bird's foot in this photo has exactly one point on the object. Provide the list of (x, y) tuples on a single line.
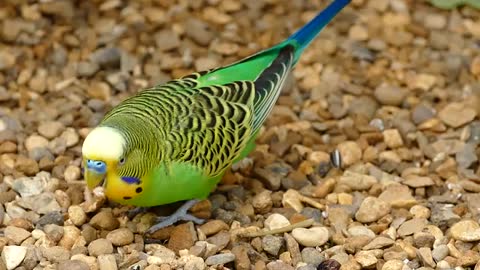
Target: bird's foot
[(135, 211), (179, 215)]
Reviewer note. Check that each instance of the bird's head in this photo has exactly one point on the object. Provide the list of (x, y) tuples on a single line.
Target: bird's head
[(103, 151)]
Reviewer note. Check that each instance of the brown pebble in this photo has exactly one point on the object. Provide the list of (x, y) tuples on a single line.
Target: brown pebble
[(104, 220), (183, 236), (213, 227), (120, 237)]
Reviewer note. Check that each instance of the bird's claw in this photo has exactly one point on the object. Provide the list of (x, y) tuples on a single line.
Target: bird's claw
[(179, 215), (135, 211)]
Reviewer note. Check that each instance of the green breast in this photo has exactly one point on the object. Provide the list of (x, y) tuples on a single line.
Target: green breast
[(174, 182)]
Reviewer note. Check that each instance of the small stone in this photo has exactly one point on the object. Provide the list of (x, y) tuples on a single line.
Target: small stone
[(361, 231), (293, 248), (54, 232), (393, 265), (199, 31), (466, 230), (26, 165), (213, 227), (329, 264), (107, 57), (262, 202), (425, 255), (17, 235), (392, 138), (398, 196), (89, 260), (99, 247), (77, 215), (366, 258), (107, 262), (161, 255), (475, 66), (312, 237), (456, 114), (312, 256), (13, 256), (99, 90), (73, 265), (50, 129), (412, 226), (350, 152), (220, 259), (276, 221), (435, 21), (242, 261), (372, 209), (87, 68), (415, 181), (56, 254), (390, 95), (420, 211), (279, 265), (35, 141), (71, 173), (272, 244), (120, 237), (183, 236), (166, 40), (440, 252), (357, 181), (379, 242), (422, 81), (271, 175), (358, 33), (104, 220)]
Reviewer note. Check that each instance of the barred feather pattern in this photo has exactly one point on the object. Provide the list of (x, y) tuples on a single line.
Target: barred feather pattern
[(207, 127)]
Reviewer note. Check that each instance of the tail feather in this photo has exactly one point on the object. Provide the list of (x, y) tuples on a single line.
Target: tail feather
[(307, 33)]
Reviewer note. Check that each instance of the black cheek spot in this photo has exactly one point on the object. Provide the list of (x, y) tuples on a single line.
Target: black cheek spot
[(138, 190), (127, 198)]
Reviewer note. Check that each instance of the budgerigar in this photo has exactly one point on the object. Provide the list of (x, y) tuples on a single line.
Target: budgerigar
[(173, 142)]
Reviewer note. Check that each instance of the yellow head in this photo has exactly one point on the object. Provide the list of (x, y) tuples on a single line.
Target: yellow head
[(103, 151)]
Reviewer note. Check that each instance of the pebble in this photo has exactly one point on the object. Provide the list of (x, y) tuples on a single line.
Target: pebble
[(17, 235), (435, 21), (412, 226), (350, 152), (312, 256), (379, 242), (107, 262), (54, 232), (276, 221), (120, 237), (199, 31), (262, 202), (77, 215), (213, 227), (73, 265), (361, 231), (390, 95), (440, 252), (393, 265), (372, 209), (279, 265), (425, 255), (315, 236), (272, 244), (398, 196), (220, 259), (99, 247), (35, 141), (392, 138), (183, 236), (366, 258), (456, 114), (466, 230), (104, 220), (357, 181), (166, 40), (50, 129), (161, 255), (56, 254)]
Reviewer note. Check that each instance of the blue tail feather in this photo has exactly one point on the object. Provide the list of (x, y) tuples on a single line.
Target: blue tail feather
[(308, 32)]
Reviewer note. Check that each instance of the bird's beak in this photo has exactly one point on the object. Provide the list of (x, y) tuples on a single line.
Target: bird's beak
[(94, 174)]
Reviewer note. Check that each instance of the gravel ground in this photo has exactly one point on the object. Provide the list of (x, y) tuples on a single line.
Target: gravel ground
[(392, 84)]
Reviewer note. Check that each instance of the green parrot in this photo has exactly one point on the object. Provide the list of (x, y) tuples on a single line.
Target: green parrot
[(173, 142)]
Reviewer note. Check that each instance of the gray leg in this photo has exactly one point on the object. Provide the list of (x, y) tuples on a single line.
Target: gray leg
[(135, 211), (179, 215)]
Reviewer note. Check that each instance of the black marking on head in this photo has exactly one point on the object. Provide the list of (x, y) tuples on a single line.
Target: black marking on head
[(127, 198), (139, 189)]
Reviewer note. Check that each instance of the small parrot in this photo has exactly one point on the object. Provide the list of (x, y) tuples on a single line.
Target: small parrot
[(173, 142)]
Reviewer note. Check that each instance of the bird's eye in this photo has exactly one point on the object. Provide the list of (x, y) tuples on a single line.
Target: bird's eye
[(122, 161)]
